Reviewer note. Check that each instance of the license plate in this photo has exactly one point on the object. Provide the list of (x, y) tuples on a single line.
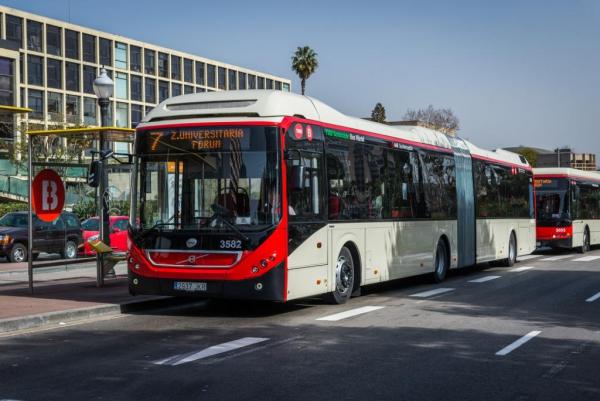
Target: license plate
[(189, 286), (538, 244)]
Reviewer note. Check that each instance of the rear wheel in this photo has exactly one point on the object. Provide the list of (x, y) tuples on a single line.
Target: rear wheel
[(70, 251), (18, 253), (344, 278), (585, 246), (512, 251), (441, 262)]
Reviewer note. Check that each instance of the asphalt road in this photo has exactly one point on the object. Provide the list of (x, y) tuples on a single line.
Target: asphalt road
[(531, 333)]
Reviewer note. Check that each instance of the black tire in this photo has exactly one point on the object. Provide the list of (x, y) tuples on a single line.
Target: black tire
[(18, 253), (440, 263), (344, 278), (70, 250), (512, 251), (585, 247), (35, 256)]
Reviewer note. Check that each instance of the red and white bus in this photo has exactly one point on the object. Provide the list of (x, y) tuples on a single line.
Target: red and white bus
[(276, 196), (567, 208)]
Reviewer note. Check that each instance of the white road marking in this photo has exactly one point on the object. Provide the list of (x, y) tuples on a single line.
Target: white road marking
[(484, 279), (210, 351), (593, 298), (559, 257), (586, 259), (521, 269), (510, 348), (431, 293), (527, 257), (350, 313)]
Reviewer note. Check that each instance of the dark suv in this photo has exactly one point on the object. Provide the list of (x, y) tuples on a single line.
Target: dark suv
[(63, 236)]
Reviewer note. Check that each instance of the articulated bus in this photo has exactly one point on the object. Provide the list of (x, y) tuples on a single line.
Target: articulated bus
[(274, 196), (567, 208)]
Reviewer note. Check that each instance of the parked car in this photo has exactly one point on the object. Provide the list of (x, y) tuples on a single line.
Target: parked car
[(62, 236), (118, 233)]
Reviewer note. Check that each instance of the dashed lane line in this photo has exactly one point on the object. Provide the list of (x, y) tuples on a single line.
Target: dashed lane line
[(553, 258), (484, 279), (431, 293), (350, 313), (586, 259), (513, 346), (528, 257), (521, 269), (210, 351), (593, 298)]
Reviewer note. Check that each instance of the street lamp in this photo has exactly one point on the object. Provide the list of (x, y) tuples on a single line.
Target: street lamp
[(103, 88)]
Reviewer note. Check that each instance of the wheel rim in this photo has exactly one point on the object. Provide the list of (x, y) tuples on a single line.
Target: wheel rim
[(440, 261), (70, 251), (18, 255), (344, 275)]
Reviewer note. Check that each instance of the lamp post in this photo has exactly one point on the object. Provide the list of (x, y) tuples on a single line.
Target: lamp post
[(103, 88)]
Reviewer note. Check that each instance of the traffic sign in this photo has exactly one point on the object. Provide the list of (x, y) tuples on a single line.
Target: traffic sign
[(47, 195)]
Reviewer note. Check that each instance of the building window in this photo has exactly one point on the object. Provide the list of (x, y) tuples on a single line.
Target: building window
[(222, 78), (150, 90), (176, 68), (21, 68), (121, 55), (163, 65), (286, 87), (188, 89), (148, 109), (232, 78), (35, 70), (211, 76), (7, 74), (242, 79), (35, 101), (251, 81), (136, 87), (199, 73), (54, 73), (35, 35), (53, 41), (200, 89), (136, 115), (89, 111), (72, 44), (260, 83), (121, 91), (105, 52), (14, 29), (72, 109), (135, 58), (163, 90), (269, 84), (150, 61), (55, 109), (188, 70), (122, 115), (89, 48), (89, 75), (72, 76), (175, 89), (278, 85)]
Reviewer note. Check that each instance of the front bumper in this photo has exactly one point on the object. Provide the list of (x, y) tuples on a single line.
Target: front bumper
[(565, 243), (268, 287)]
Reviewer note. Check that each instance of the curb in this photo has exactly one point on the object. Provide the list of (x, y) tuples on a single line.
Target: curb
[(43, 320)]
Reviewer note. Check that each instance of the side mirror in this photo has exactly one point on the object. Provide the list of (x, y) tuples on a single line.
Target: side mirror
[(297, 181), (93, 178)]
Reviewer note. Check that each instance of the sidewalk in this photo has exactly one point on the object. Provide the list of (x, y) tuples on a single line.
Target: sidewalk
[(64, 295)]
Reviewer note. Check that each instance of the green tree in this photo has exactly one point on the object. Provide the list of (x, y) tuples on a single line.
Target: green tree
[(530, 154), (378, 113), (304, 63)]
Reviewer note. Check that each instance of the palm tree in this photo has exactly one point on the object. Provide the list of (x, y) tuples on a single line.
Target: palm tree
[(304, 63)]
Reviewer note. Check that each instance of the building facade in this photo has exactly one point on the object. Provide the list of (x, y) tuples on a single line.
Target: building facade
[(560, 157), (49, 66)]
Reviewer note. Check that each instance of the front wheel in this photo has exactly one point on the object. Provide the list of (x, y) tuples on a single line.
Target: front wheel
[(441, 262), (344, 278), (18, 253), (512, 251)]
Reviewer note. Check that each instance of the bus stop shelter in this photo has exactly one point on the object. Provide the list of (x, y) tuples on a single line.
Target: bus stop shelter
[(82, 137)]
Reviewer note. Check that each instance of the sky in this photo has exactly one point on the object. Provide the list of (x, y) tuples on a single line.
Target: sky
[(514, 72)]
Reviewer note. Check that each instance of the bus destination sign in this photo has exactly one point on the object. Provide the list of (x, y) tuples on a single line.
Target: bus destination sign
[(194, 139)]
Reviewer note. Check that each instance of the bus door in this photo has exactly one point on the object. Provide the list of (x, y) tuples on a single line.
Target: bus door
[(465, 200)]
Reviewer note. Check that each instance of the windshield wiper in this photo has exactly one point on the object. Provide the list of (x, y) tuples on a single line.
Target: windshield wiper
[(156, 225), (221, 213)]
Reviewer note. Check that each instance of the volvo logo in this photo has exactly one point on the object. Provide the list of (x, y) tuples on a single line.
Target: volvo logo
[(191, 242)]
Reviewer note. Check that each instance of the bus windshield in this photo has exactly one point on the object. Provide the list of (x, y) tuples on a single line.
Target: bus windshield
[(552, 201), (201, 178)]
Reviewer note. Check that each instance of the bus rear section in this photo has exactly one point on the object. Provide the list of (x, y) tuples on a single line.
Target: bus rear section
[(567, 208)]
